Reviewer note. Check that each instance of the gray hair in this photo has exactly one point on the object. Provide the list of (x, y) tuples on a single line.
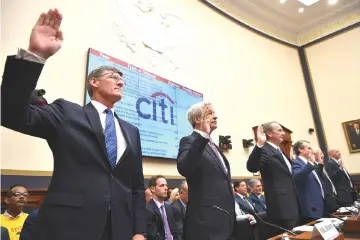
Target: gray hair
[(196, 110), (268, 127), (299, 145), (182, 185), (253, 181), (98, 72)]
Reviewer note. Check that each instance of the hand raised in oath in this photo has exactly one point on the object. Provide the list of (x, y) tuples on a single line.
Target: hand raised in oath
[(46, 38)]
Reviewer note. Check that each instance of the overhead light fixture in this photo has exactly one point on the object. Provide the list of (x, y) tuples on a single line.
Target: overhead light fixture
[(308, 2), (332, 2), (283, 1), (301, 10)]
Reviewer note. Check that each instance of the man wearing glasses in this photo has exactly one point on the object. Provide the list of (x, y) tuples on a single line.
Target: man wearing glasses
[(13, 218), (97, 188)]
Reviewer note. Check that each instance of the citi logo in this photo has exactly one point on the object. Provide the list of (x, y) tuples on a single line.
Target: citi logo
[(166, 110)]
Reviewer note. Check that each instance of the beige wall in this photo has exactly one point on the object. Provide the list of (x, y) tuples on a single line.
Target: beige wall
[(335, 69), (249, 79)]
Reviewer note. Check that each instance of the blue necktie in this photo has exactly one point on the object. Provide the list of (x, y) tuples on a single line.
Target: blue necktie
[(110, 138)]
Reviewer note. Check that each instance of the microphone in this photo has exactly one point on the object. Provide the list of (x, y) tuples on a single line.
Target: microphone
[(222, 210), (275, 226), (334, 216)]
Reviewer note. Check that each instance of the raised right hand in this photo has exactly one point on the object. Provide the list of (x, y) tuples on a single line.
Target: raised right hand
[(205, 120), (261, 136), (45, 38)]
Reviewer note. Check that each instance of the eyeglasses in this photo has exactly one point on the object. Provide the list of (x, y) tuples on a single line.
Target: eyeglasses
[(18, 194), (114, 77)]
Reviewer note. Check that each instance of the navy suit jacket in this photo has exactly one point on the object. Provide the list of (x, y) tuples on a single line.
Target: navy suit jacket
[(28, 228), (4, 234), (259, 204), (309, 190), (83, 187), (155, 230), (244, 205)]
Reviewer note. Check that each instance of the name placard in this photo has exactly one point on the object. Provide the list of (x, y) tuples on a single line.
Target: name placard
[(326, 229)]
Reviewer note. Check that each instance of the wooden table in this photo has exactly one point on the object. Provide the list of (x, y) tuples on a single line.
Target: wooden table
[(341, 236)]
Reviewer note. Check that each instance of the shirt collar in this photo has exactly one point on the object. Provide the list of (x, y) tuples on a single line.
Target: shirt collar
[(100, 108), (158, 204), (303, 159), (202, 133), (273, 145), (182, 203), (337, 161), (240, 195), (10, 216)]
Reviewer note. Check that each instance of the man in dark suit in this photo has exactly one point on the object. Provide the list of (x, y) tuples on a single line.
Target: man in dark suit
[(256, 195), (28, 228), (308, 183), (97, 187), (161, 220), (276, 173), (210, 211), (179, 207), (329, 188), (341, 178), (245, 204)]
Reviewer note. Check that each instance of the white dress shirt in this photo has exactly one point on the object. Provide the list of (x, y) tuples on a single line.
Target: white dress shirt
[(207, 136), (121, 143), (284, 157)]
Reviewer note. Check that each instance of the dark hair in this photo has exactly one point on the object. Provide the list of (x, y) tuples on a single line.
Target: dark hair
[(299, 145), (9, 191), (153, 179)]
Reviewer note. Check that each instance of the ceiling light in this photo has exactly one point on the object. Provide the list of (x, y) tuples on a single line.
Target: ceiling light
[(332, 2), (301, 10), (308, 2), (282, 1)]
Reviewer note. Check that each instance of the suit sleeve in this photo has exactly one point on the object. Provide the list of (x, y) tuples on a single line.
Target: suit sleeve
[(256, 160), (178, 221), (334, 172), (28, 228), (301, 172), (190, 153), (19, 80), (138, 191)]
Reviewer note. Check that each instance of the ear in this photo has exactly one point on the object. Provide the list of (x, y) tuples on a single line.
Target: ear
[(152, 189), (197, 120), (94, 82), (7, 200)]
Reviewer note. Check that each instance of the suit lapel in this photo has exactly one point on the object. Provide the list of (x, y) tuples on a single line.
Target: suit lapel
[(277, 155), (216, 159), (156, 210), (127, 137), (94, 119)]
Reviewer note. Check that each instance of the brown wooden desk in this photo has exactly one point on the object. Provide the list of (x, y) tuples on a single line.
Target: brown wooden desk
[(350, 233)]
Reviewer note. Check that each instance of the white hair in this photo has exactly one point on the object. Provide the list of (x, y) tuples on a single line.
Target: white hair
[(196, 110)]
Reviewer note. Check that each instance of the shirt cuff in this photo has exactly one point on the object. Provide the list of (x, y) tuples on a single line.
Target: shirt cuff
[(259, 145), (29, 56)]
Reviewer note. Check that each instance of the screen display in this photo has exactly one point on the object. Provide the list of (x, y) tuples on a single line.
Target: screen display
[(155, 105)]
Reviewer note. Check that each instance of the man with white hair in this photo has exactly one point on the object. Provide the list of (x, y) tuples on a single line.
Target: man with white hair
[(210, 212)]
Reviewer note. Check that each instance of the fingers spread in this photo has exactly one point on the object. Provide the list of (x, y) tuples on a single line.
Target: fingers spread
[(53, 19)]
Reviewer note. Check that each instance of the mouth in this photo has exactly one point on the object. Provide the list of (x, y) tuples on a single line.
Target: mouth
[(21, 201)]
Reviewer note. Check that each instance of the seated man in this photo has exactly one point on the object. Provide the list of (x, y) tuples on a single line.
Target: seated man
[(179, 207), (256, 196), (13, 218), (28, 228), (245, 204), (161, 221)]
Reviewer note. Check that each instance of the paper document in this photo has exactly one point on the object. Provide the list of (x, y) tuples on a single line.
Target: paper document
[(304, 228)]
